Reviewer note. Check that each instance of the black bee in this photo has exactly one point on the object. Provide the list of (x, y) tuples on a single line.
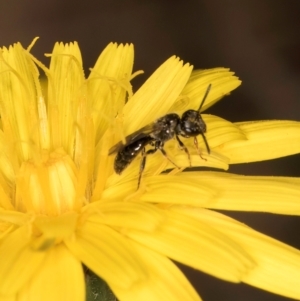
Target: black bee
[(156, 134)]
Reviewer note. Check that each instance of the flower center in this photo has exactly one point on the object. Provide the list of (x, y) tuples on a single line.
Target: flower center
[(48, 185)]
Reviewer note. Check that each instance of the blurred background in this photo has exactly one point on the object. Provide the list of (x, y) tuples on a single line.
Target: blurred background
[(258, 39)]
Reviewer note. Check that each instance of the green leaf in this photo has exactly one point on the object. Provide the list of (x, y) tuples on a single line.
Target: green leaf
[(97, 289)]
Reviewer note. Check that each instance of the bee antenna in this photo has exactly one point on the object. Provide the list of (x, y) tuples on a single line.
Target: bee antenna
[(205, 141), (204, 97)]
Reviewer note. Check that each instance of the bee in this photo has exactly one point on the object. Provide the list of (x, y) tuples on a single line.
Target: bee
[(157, 134)]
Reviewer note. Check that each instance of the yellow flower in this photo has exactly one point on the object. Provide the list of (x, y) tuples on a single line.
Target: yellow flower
[(61, 203)]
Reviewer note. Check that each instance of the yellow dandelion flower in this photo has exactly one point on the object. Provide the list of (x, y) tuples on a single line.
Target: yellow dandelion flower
[(62, 205)]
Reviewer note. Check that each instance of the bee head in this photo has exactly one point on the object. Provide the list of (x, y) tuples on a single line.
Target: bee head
[(191, 124)]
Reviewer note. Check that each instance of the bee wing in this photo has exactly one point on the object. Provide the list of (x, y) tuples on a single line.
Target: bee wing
[(141, 133)]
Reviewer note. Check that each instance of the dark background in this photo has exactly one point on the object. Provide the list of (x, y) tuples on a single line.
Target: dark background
[(258, 39)]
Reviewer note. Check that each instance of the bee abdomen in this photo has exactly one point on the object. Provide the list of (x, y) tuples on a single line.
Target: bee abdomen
[(126, 155)]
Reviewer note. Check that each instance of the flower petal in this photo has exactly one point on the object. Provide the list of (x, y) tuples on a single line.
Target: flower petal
[(157, 94), (220, 131), (279, 195), (265, 140), (198, 245), (65, 90), (21, 261), (108, 254), (18, 94), (278, 265), (5, 201), (135, 215), (7, 157), (222, 80), (14, 217), (169, 189), (8, 298), (164, 189), (60, 278), (108, 83), (165, 281)]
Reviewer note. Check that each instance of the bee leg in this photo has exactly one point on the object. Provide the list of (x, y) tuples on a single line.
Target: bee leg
[(143, 163), (198, 149), (160, 146), (142, 167), (182, 146)]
